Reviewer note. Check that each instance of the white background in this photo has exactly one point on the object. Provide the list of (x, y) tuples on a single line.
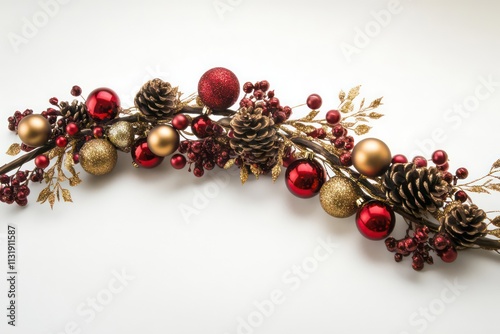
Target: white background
[(205, 275)]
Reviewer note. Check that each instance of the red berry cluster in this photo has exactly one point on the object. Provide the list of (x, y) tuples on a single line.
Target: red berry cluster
[(416, 245), (205, 154), (260, 96), (15, 188), (444, 247), (16, 118)]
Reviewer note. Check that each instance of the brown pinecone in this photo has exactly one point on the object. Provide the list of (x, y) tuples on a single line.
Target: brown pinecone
[(75, 112), (157, 98), (416, 190), (255, 139), (464, 223)]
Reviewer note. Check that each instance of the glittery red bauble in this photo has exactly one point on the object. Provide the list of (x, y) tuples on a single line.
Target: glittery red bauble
[(102, 104), (200, 126), (304, 178), (375, 220), (142, 155), (218, 88)]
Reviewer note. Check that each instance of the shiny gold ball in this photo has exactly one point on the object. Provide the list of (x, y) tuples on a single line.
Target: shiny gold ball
[(371, 157), (121, 134), (163, 140), (338, 197), (34, 130), (98, 157)]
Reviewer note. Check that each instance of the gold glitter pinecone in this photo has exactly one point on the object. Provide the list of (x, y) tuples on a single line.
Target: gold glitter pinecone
[(157, 98), (464, 223), (416, 190), (75, 112), (255, 139)]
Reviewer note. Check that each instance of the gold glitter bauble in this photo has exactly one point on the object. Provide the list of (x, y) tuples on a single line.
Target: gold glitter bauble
[(163, 140), (98, 157), (34, 130), (338, 197), (121, 134), (371, 157)]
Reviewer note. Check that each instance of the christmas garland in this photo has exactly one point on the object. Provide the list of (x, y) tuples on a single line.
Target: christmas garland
[(320, 156)]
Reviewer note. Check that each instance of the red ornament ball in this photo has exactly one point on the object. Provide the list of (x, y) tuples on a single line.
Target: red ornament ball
[(304, 178), (61, 141), (218, 88), (420, 161), (142, 155), (314, 101), (375, 220), (448, 255), (42, 161), (102, 104), (201, 125)]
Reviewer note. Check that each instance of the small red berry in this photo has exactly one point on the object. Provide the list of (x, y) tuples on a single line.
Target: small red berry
[(42, 161), (178, 161), (180, 122), (72, 129), (98, 131), (333, 117), (444, 167), (338, 131), (264, 85), (449, 254), (399, 159), (61, 141), (461, 196), (314, 101), (54, 101), (439, 157), (420, 161), (346, 159), (462, 173), (76, 91)]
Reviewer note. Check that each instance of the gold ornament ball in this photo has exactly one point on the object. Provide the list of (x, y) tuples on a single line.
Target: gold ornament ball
[(34, 130), (163, 140), (98, 157), (371, 157), (121, 134), (338, 197)]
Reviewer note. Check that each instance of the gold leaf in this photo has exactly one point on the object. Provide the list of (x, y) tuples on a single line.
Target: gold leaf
[(362, 129), (361, 105), (342, 96), (61, 177), (496, 221), (229, 163), (66, 195), (68, 161), (55, 152), (477, 189), (348, 124), (303, 128), (276, 171), (495, 232), (494, 186), (49, 175), (348, 106), (361, 119), (375, 103), (496, 164), (75, 180), (255, 171), (44, 194), (14, 149), (353, 93), (243, 174), (52, 200), (375, 115), (310, 116)]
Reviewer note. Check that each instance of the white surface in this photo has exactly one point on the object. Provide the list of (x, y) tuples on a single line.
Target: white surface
[(204, 276)]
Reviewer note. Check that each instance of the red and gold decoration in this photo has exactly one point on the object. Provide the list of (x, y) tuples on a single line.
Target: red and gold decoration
[(320, 153)]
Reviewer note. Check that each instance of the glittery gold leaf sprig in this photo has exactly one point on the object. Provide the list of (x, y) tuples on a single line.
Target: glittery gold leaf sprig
[(14, 149)]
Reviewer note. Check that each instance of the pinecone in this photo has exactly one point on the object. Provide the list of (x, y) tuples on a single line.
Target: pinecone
[(255, 139), (75, 112), (464, 224), (157, 98), (416, 190)]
